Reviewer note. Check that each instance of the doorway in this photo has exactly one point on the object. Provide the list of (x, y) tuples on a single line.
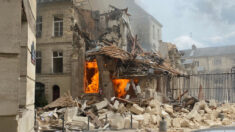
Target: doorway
[(56, 92)]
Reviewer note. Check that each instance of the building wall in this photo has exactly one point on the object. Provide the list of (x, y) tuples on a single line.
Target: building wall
[(47, 43), (10, 26), (155, 35), (63, 81), (48, 11), (227, 62), (207, 64), (17, 70)]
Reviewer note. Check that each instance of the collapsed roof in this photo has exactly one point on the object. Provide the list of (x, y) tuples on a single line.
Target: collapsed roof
[(118, 43)]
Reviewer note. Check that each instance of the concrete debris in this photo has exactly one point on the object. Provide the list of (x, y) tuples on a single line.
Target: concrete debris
[(209, 122), (116, 104), (148, 109), (168, 109), (146, 118), (156, 111), (149, 93), (164, 114), (135, 123), (212, 103), (186, 123), (201, 112), (64, 101), (117, 115), (194, 115), (138, 117), (185, 110), (226, 121), (176, 122), (70, 113), (102, 104), (117, 121), (136, 109), (154, 103)]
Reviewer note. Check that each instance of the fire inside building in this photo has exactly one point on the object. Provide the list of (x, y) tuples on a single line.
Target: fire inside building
[(115, 63), (72, 60)]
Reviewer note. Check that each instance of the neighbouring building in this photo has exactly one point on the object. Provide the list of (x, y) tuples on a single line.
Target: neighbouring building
[(209, 60), (56, 61), (212, 70), (54, 48), (17, 65)]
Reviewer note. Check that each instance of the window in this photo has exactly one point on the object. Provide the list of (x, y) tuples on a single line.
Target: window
[(38, 61), (217, 61), (39, 27), (233, 69), (57, 62), (58, 26)]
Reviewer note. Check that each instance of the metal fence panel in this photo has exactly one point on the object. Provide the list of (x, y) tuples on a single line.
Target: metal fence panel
[(220, 87)]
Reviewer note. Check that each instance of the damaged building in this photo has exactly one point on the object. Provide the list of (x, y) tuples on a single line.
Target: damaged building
[(113, 50), (114, 79)]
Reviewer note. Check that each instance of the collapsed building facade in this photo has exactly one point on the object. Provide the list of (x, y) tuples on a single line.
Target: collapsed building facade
[(115, 63), (99, 55)]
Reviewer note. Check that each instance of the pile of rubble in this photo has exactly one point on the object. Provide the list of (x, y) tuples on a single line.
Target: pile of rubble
[(97, 113)]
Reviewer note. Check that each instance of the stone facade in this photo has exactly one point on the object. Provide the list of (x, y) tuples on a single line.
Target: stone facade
[(17, 64), (209, 60), (48, 43)]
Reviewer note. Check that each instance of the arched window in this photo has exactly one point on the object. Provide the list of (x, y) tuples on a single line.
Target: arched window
[(56, 92)]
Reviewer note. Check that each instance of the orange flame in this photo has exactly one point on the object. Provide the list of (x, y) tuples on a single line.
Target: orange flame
[(91, 77), (119, 86)]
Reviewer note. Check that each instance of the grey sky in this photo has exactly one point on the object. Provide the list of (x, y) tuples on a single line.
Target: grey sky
[(211, 22)]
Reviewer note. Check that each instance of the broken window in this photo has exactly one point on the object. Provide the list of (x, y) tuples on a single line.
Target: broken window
[(58, 26), (39, 27), (38, 61), (57, 62)]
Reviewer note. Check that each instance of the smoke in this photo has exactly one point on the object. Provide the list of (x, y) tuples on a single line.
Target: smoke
[(186, 42)]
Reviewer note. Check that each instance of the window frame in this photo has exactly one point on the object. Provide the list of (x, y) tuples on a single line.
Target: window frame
[(39, 57), (58, 26), (39, 27), (58, 56)]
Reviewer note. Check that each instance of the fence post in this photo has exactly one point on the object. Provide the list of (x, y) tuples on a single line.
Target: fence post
[(131, 122), (88, 125), (63, 123)]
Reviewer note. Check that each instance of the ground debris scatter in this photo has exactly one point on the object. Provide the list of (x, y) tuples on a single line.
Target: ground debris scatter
[(120, 114)]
